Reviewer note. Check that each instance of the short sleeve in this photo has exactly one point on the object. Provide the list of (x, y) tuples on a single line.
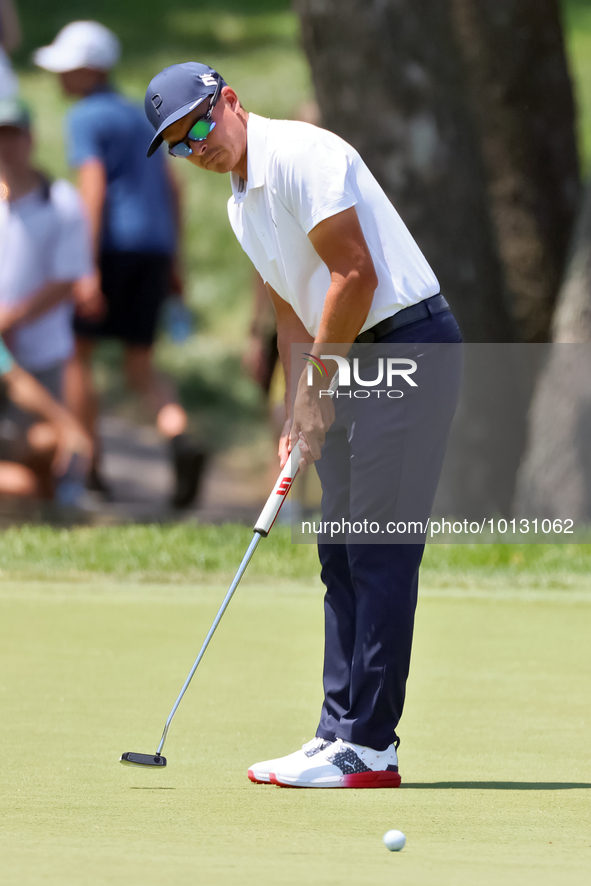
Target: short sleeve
[(72, 254), (6, 361), (83, 135), (310, 178)]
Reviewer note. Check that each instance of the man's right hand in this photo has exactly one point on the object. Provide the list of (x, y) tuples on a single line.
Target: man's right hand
[(89, 301)]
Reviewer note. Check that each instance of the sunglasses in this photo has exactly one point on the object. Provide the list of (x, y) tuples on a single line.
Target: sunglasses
[(198, 131)]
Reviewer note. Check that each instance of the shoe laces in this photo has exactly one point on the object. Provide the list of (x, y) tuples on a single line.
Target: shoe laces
[(315, 745)]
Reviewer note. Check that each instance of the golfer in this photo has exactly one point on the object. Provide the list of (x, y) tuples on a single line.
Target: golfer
[(340, 266)]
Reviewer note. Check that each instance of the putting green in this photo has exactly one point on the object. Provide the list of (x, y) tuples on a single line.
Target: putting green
[(494, 759)]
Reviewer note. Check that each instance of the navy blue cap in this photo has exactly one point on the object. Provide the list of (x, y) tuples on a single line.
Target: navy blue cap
[(176, 91)]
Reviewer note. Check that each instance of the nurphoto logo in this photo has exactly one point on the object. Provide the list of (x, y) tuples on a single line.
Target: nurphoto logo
[(387, 371)]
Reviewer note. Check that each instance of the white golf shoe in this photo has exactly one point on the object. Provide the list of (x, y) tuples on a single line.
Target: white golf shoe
[(260, 772), (341, 765)]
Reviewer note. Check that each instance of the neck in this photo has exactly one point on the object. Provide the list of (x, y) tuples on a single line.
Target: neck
[(20, 183), (241, 167)]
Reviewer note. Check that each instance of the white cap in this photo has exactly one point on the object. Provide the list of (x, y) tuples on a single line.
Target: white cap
[(80, 45)]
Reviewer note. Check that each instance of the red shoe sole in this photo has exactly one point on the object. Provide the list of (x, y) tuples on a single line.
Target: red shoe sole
[(383, 779), (255, 780), (356, 780)]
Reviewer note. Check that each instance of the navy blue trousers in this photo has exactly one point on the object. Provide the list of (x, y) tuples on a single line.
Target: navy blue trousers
[(371, 589)]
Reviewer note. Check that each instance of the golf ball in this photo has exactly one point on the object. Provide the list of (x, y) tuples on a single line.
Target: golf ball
[(394, 840)]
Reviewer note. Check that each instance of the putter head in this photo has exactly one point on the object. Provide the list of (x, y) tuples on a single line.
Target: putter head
[(131, 759)]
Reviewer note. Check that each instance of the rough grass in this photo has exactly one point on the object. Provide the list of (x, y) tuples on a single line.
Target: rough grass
[(171, 553), (181, 552)]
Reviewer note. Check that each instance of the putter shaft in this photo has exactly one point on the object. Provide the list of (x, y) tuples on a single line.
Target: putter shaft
[(262, 528), (241, 569)]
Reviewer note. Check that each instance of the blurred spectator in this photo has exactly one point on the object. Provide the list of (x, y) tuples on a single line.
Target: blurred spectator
[(10, 37), (54, 443), (134, 212), (44, 249)]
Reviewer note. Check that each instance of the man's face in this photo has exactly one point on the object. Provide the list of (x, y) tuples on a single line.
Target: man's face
[(82, 81), (225, 146), (15, 149)]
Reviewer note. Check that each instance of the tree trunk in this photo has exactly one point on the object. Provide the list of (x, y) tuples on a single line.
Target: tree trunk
[(400, 99), (555, 478), (522, 93), (390, 80)]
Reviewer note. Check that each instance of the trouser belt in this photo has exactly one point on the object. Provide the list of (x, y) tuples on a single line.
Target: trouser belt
[(433, 305)]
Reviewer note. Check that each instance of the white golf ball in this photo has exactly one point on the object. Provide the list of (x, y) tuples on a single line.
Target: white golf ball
[(394, 840)]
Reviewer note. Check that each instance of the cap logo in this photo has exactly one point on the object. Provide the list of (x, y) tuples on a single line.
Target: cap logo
[(156, 101), (208, 80)]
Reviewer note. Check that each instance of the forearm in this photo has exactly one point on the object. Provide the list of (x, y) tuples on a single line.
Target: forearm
[(345, 311), (41, 301), (290, 330), (340, 243), (71, 438), (288, 335), (26, 392), (92, 182), (263, 322)]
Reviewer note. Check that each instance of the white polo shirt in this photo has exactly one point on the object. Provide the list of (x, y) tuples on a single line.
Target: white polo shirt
[(299, 175), (43, 241)]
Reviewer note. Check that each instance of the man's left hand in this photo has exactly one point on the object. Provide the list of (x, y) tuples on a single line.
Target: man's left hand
[(312, 417)]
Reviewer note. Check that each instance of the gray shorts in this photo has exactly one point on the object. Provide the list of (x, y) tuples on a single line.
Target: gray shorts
[(15, 422)]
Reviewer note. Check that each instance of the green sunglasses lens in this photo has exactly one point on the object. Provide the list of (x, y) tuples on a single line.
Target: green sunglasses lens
[(200, 130)]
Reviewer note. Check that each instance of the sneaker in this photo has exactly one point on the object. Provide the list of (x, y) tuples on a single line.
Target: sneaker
[(342, 765), (95, 482), (260, 772)]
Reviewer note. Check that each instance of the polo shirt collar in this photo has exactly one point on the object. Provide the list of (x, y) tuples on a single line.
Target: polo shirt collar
[(256, 145)]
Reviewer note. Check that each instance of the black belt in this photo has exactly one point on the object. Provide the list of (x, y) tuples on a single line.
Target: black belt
[(433, 305)]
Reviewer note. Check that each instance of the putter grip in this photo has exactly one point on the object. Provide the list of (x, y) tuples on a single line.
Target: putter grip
[(275, 501)]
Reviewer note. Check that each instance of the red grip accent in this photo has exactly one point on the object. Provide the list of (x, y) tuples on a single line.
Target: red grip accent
[(284, 486)]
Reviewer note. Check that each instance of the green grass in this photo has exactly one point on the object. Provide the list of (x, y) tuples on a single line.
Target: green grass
[(494, 743)]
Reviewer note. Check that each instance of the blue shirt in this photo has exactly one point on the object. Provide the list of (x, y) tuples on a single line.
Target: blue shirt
[(138, 214)]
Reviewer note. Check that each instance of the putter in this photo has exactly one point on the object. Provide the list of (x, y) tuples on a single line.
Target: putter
[(261, 530)]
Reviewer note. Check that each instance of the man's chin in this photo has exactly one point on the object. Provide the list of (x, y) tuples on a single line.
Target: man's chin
[(218, 162)]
